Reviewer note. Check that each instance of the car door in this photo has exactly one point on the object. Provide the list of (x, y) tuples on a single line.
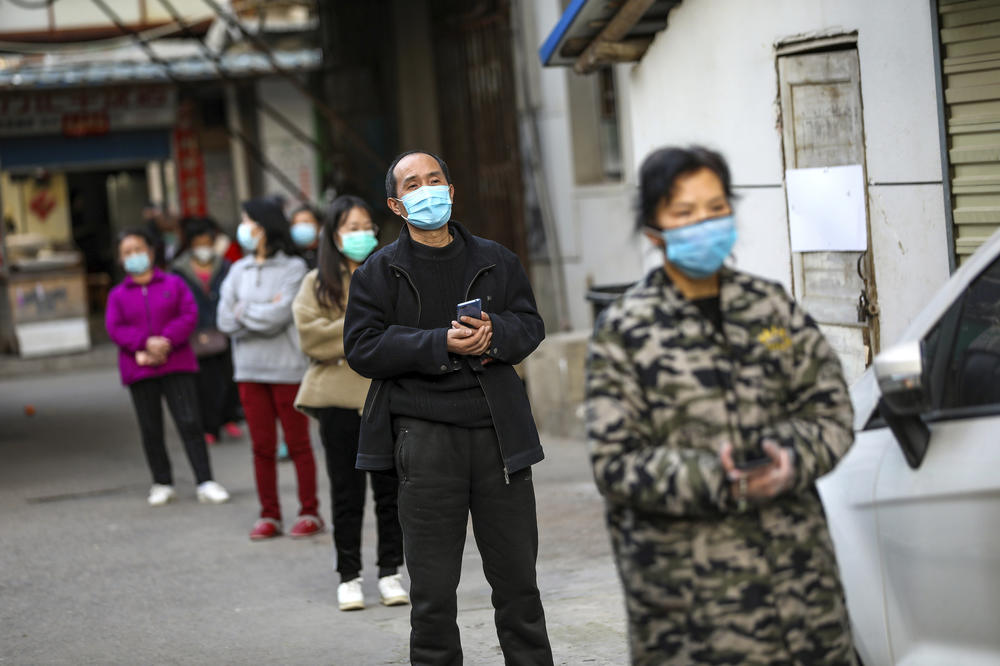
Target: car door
[(939, 524)]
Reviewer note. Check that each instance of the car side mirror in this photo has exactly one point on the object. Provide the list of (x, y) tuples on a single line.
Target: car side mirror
[(900, 373)]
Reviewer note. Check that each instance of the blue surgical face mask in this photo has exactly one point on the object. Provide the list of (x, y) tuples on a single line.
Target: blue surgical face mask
[(427, 207), (136, 263), (357, 245), (699, 249), (245, 237), (303, 233)]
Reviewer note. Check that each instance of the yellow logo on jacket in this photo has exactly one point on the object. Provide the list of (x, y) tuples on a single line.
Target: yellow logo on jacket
[(775, 338)]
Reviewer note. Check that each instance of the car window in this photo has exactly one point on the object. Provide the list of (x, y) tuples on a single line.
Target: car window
[(970, 373)]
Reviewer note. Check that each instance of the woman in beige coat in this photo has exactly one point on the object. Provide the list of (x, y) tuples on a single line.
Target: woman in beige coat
[(334, 394)]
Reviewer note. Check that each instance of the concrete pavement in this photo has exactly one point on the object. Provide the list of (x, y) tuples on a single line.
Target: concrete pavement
[(89, 574)]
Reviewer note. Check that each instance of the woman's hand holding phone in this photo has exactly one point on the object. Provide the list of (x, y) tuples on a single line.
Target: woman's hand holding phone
[(759, 482)]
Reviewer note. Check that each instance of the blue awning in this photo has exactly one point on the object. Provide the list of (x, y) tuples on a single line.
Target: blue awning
[(584, 20), (60, 152)]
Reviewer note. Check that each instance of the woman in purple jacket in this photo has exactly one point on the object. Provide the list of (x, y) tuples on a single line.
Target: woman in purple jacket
[(150, 316)]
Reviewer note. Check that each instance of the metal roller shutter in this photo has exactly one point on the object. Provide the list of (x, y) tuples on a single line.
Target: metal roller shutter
[(970, 49)]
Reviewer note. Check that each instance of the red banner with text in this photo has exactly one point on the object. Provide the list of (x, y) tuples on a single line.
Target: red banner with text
[(190, 165)]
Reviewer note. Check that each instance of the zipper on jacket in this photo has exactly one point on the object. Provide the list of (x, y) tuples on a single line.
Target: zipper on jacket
[(413, 287), (475, 277), (149, 317), (503, 458)]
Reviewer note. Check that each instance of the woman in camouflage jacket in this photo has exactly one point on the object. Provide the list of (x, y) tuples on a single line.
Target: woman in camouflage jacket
[(713, 405)]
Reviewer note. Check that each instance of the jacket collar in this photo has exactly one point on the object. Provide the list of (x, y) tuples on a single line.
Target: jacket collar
[(277, 257), (737, 293), (402, 256), (157, 277), (182, 264), (477, 261), (732, 285), (730, 282)]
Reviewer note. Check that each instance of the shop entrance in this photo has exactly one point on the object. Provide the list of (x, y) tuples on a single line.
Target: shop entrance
[(103, 203)]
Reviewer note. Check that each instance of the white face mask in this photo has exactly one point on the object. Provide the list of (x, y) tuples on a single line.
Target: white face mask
[(203, 254)]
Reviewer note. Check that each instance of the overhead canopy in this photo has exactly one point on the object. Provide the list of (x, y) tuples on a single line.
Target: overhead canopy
[(592, 33), (131, 65)]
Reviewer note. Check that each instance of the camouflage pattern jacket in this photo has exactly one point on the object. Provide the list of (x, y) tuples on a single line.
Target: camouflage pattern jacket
[(708, 581)]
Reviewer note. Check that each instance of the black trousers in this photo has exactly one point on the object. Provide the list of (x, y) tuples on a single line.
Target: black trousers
[(181, 393), (445, 473), (339, 430), (216, 391)]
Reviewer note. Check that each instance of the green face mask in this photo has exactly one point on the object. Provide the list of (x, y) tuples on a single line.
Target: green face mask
[(358, 244)]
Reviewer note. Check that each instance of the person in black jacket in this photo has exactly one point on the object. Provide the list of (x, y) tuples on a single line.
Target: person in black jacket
[(203, 269), (448, 413)]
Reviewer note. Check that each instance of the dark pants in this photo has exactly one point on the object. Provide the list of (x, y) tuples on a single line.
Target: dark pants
[(339, 430), (216, 391), (265, 405), (180, 391), (446, 473)]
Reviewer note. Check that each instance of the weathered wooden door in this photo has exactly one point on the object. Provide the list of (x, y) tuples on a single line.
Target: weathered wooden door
[(479, 136), (823, 127)]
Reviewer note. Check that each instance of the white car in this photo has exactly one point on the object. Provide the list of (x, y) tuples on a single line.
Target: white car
[(914, 506)]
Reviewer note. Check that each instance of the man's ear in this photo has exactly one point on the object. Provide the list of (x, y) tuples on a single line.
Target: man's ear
[(451, 192), (394, 206)]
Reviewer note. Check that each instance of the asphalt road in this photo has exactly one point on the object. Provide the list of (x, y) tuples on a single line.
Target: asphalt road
[(89, 574)]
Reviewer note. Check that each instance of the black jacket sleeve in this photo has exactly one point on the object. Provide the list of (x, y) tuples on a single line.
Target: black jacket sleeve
[(378, 350), (518, 329)]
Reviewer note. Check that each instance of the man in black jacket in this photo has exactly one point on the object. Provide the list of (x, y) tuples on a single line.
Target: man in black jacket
[(447, 411)]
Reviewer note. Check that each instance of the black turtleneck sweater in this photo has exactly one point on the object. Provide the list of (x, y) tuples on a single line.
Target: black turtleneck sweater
[(455, 397)]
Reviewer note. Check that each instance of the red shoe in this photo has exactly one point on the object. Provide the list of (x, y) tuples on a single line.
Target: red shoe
[(211, 440), (232, 430), (265, 528), (306, 526)]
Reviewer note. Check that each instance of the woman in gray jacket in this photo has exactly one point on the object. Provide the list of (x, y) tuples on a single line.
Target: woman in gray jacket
[(255, 310)]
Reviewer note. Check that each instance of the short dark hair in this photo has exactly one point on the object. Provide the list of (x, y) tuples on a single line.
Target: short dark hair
[(192, 227), (305, 207), (661, 169), (271, 218), (139, 232), (390, 176)]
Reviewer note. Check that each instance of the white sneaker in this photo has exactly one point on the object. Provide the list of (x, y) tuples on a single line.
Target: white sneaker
[(350, 596), (390, 588), (160, 494), (211, 492)]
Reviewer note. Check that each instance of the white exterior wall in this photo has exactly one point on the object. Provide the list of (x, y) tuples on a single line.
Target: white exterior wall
[(294, 158), (711, 78), (594, 222)]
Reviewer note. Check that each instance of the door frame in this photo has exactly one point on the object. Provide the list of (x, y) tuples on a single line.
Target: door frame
[(827, 43)]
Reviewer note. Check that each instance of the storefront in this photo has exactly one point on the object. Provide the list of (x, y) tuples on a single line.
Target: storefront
[(76, 167)]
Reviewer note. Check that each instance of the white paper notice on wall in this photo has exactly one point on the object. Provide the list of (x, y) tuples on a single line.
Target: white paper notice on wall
[(826, 209)]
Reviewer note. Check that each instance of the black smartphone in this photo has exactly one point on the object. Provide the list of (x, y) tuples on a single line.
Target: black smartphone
[(752, 464), (473, 308)]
